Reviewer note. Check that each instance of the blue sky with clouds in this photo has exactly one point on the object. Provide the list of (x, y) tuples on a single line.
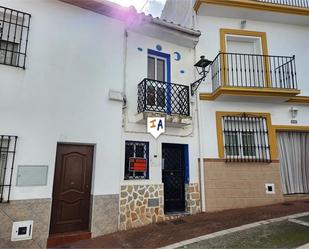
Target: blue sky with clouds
[(153, 7)]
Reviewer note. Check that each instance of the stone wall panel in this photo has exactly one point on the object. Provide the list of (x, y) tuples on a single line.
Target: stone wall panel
[(140, 205)]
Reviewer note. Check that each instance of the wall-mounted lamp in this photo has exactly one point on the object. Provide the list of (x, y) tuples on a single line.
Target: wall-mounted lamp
[(202, 67), (293, 112)]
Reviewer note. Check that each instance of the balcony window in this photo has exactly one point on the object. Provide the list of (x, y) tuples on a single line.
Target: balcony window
[(156, 97), (156, 93), (245, 138), (156, 68), (14, 32)]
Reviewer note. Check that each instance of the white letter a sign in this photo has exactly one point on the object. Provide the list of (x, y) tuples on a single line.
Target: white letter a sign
[(156, 126)]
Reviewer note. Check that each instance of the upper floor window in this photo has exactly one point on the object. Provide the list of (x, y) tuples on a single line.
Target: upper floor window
[(156, 68), (14, 32)]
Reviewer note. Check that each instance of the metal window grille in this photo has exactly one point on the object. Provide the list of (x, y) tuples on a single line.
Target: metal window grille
[(14, 33), (254, 71), (136, 150), (246, 139), (163, 97), (292, 3), (7, 158)]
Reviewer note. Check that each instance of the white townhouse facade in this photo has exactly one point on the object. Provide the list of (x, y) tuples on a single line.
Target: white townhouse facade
[(78, 80), (55, 104), (254, 102)]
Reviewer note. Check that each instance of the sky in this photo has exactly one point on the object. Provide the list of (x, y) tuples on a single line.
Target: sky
[(153, 7)]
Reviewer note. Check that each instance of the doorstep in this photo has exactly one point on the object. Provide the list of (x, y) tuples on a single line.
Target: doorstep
[(60, 239), (175, 215)]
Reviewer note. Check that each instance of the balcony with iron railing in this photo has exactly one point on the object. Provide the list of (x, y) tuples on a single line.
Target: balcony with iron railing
[(290, 3), (252, 74), (295, 7), (158, 98)]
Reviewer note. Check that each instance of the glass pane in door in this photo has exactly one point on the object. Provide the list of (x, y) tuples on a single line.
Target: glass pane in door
[(160, 70), (151, 68)]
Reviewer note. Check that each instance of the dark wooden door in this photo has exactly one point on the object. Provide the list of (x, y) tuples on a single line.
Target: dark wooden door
[(173, 177), (72, 186)]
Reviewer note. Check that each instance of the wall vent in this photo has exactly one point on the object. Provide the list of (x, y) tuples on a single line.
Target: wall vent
[(270, 188)]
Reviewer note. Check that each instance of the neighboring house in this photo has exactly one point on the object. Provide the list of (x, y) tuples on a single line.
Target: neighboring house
[(254, 103), (78, 80)]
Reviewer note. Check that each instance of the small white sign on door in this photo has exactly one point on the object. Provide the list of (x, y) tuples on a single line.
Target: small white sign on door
[(156, 126)]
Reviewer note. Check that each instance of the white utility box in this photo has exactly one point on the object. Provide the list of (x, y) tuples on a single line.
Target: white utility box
[(22, 230)]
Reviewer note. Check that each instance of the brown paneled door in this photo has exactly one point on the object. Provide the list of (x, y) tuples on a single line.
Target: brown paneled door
[(72, 187)]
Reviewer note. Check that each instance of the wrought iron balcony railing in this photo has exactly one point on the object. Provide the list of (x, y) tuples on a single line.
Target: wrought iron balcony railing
[(254, 71), (163, 97), (292, 3)]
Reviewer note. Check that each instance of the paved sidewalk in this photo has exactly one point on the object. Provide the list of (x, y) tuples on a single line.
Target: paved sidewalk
[(170, 232), (285, 232)]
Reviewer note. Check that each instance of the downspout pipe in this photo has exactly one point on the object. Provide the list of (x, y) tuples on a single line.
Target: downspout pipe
[(201, 161), (199, 132)]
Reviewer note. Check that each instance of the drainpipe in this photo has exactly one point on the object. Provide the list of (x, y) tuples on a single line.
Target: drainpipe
[(124, 92), (200, 140), (201, 164), (125, 48)]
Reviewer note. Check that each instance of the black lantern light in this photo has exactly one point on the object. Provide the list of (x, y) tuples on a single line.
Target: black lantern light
[(202, 67)]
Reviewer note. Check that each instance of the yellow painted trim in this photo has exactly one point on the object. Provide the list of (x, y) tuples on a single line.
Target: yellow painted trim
[(240, 32), (291, 128), (299, 100), (250, 4), (220, 134), (271, 131), (247, 91)]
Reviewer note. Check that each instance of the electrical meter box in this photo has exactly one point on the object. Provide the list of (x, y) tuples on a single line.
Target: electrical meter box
[(22, 230)]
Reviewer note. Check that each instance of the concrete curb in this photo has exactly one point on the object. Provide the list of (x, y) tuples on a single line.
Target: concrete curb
[(235, 229), (299, 222), (303, 247)]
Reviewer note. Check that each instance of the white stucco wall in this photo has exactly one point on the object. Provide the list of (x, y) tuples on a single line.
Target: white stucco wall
[(74, 57)]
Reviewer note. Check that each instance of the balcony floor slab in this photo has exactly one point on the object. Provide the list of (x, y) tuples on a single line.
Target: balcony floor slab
[(239, 93), (171, 120)]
